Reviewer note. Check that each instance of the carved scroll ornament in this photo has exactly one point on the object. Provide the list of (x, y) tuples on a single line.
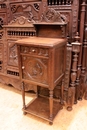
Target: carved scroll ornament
[(20, 21)]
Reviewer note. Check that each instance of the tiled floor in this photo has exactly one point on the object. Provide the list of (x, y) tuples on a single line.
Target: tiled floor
[(12, 118)]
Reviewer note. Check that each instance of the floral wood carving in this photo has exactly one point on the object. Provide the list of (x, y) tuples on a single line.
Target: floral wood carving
[(52, 16)]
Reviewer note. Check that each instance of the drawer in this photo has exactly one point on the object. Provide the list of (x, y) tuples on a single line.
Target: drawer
[(35, 50)]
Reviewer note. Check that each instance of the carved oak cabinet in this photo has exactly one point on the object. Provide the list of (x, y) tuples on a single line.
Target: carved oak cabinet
[(41, 63)]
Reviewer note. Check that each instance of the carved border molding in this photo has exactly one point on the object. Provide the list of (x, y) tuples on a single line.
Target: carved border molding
[(75, 17)]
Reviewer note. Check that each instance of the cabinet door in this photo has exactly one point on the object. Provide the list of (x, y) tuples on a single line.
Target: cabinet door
[(35, 69)]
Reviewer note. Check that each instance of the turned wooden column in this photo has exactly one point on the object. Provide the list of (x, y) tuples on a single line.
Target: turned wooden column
[(75, 54), (78, 72), (84, 61), (82, 21)]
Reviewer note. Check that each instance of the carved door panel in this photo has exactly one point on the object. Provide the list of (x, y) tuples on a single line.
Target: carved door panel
[(12, 54), (35, 69)]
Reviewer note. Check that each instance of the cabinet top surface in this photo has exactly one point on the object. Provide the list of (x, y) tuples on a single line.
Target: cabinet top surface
[(38, 41)]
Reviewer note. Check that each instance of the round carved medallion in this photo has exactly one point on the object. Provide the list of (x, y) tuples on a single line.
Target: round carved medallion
[(21, 20), (50, 15)]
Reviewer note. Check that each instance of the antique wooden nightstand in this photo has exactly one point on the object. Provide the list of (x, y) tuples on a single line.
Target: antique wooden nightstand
[(42, 63)]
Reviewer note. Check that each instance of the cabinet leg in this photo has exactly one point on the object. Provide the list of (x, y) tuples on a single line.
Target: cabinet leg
[(23, 95), (24, 113), (51, 104), (51, 123), (69, 108), (37, 92)]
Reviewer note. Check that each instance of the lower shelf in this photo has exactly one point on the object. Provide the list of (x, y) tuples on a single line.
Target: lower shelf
[(40, 107)]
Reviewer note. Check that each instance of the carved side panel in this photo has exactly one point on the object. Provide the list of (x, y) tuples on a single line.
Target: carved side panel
[(35, 69), (59, 62), (12, 54)]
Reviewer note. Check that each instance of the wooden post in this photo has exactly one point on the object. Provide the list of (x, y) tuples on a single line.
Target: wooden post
[(84, 63), (75, 53), (82, 21)]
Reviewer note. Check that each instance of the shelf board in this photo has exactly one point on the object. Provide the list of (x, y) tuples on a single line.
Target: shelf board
[(40, 107)]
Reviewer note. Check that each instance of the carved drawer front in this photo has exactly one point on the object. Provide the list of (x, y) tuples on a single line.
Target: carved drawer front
[(35, 69), (34, 51)]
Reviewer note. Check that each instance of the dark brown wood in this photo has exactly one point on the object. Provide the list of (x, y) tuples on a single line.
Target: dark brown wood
[(75, 54), (48, 19), (82, 21), (42, 108), (16, 21), (39, 64), (85, 56)]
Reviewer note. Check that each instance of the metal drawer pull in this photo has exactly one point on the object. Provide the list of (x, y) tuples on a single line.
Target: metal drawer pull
[(23, 67), (33, 50)]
